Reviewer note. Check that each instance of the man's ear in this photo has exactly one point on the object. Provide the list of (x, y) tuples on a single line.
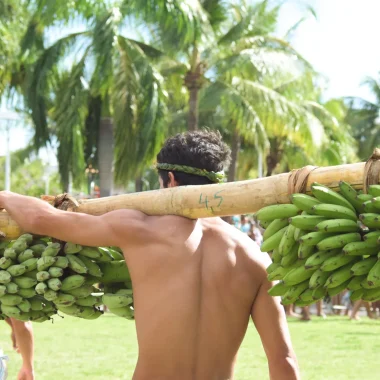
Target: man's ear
[(172, 182)]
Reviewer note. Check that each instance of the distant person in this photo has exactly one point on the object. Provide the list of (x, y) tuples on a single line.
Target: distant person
[(245, 225), (256, 234), (357, 305), (23, 343)]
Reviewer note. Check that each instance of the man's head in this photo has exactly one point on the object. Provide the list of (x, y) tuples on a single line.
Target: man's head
[(203, 150)]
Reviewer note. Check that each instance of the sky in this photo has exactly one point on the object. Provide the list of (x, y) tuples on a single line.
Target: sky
[(341, 44)]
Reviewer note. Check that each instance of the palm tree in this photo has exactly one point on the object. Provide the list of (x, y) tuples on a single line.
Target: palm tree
[(363, 116)]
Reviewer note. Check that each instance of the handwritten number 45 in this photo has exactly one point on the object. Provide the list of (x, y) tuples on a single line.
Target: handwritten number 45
[(204, 199)]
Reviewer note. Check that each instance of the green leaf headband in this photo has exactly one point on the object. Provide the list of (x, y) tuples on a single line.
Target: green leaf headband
[(216, 177)]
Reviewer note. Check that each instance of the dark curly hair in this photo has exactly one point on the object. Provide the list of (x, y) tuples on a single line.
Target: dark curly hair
[(200, 149)]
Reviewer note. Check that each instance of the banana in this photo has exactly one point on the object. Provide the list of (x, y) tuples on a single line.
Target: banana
[(298, 233), (306, 222), (76, 264), (366, 285), (88, 301), (5, 277), (41, 288), (10, 311), (113, 272), (124, 312), (83, 291), (318, 278), (16, 270), (64, 299), (374, 190), (318, 258), (42, 276), (297, 275), (26, 293), (93, 268), (128, 292), (313, 238), (273, 241), (369, 206), (372, 237), (26, 255), (90, 252), (273, 227), (319, 293), (371, 295), (338, 277), (338, 289), (55, 272), (337, 225), (334, 211), (45, 262), (307, 296), (41, 319), (54, 284), (361, 248), (32, 274), (337, 261), (302, 303), (355, 282), (36, 303), (3, 290), (272, 267), (19, 246), (326, 195), (278, 290), (27, 238), (304, 202), (5, 262), (279, 211), (305, 251), (10, 299), (371, 220), (105, 255), (71, 248), (86, 312), (277, 274), (276, 257), (373, 277), (291, 258), (36, 315), (50, 295), (116, 300), (294, 292), (25, 282), (37, 249), (30, 264), (62, 262), (117, 254), (11, 287), (72, 282), (24, 306), (51, 250), (266, 224), (287, 241), (72, 310), (357, 295), (10, 253), (364, 197), (338, 241)]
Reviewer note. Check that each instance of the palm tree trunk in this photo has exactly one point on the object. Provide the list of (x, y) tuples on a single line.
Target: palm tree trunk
[(105, 156), (274, 156), (235, 148), (193, 83), (138, 184)]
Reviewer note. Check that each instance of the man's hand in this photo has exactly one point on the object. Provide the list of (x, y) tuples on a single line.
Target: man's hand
[(25, 374)]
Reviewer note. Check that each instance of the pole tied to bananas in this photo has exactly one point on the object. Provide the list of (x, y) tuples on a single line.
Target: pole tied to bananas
[(298, 179)]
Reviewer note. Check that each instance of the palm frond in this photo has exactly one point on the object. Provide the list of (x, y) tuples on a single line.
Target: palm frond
[(37, 85)]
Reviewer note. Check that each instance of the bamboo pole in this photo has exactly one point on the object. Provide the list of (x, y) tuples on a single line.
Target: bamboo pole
[(233, 198)]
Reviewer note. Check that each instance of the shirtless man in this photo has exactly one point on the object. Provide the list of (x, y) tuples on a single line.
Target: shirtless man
[(196, 282), (22, 339)]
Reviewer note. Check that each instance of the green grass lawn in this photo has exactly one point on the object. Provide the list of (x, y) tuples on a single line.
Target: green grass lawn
[(74, 349)]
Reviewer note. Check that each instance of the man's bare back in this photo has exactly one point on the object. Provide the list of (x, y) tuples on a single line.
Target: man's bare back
[(195, 283)]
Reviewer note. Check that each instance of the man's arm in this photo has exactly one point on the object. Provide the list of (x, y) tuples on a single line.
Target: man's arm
[(269, 318), (38, 217), (24, 337)]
